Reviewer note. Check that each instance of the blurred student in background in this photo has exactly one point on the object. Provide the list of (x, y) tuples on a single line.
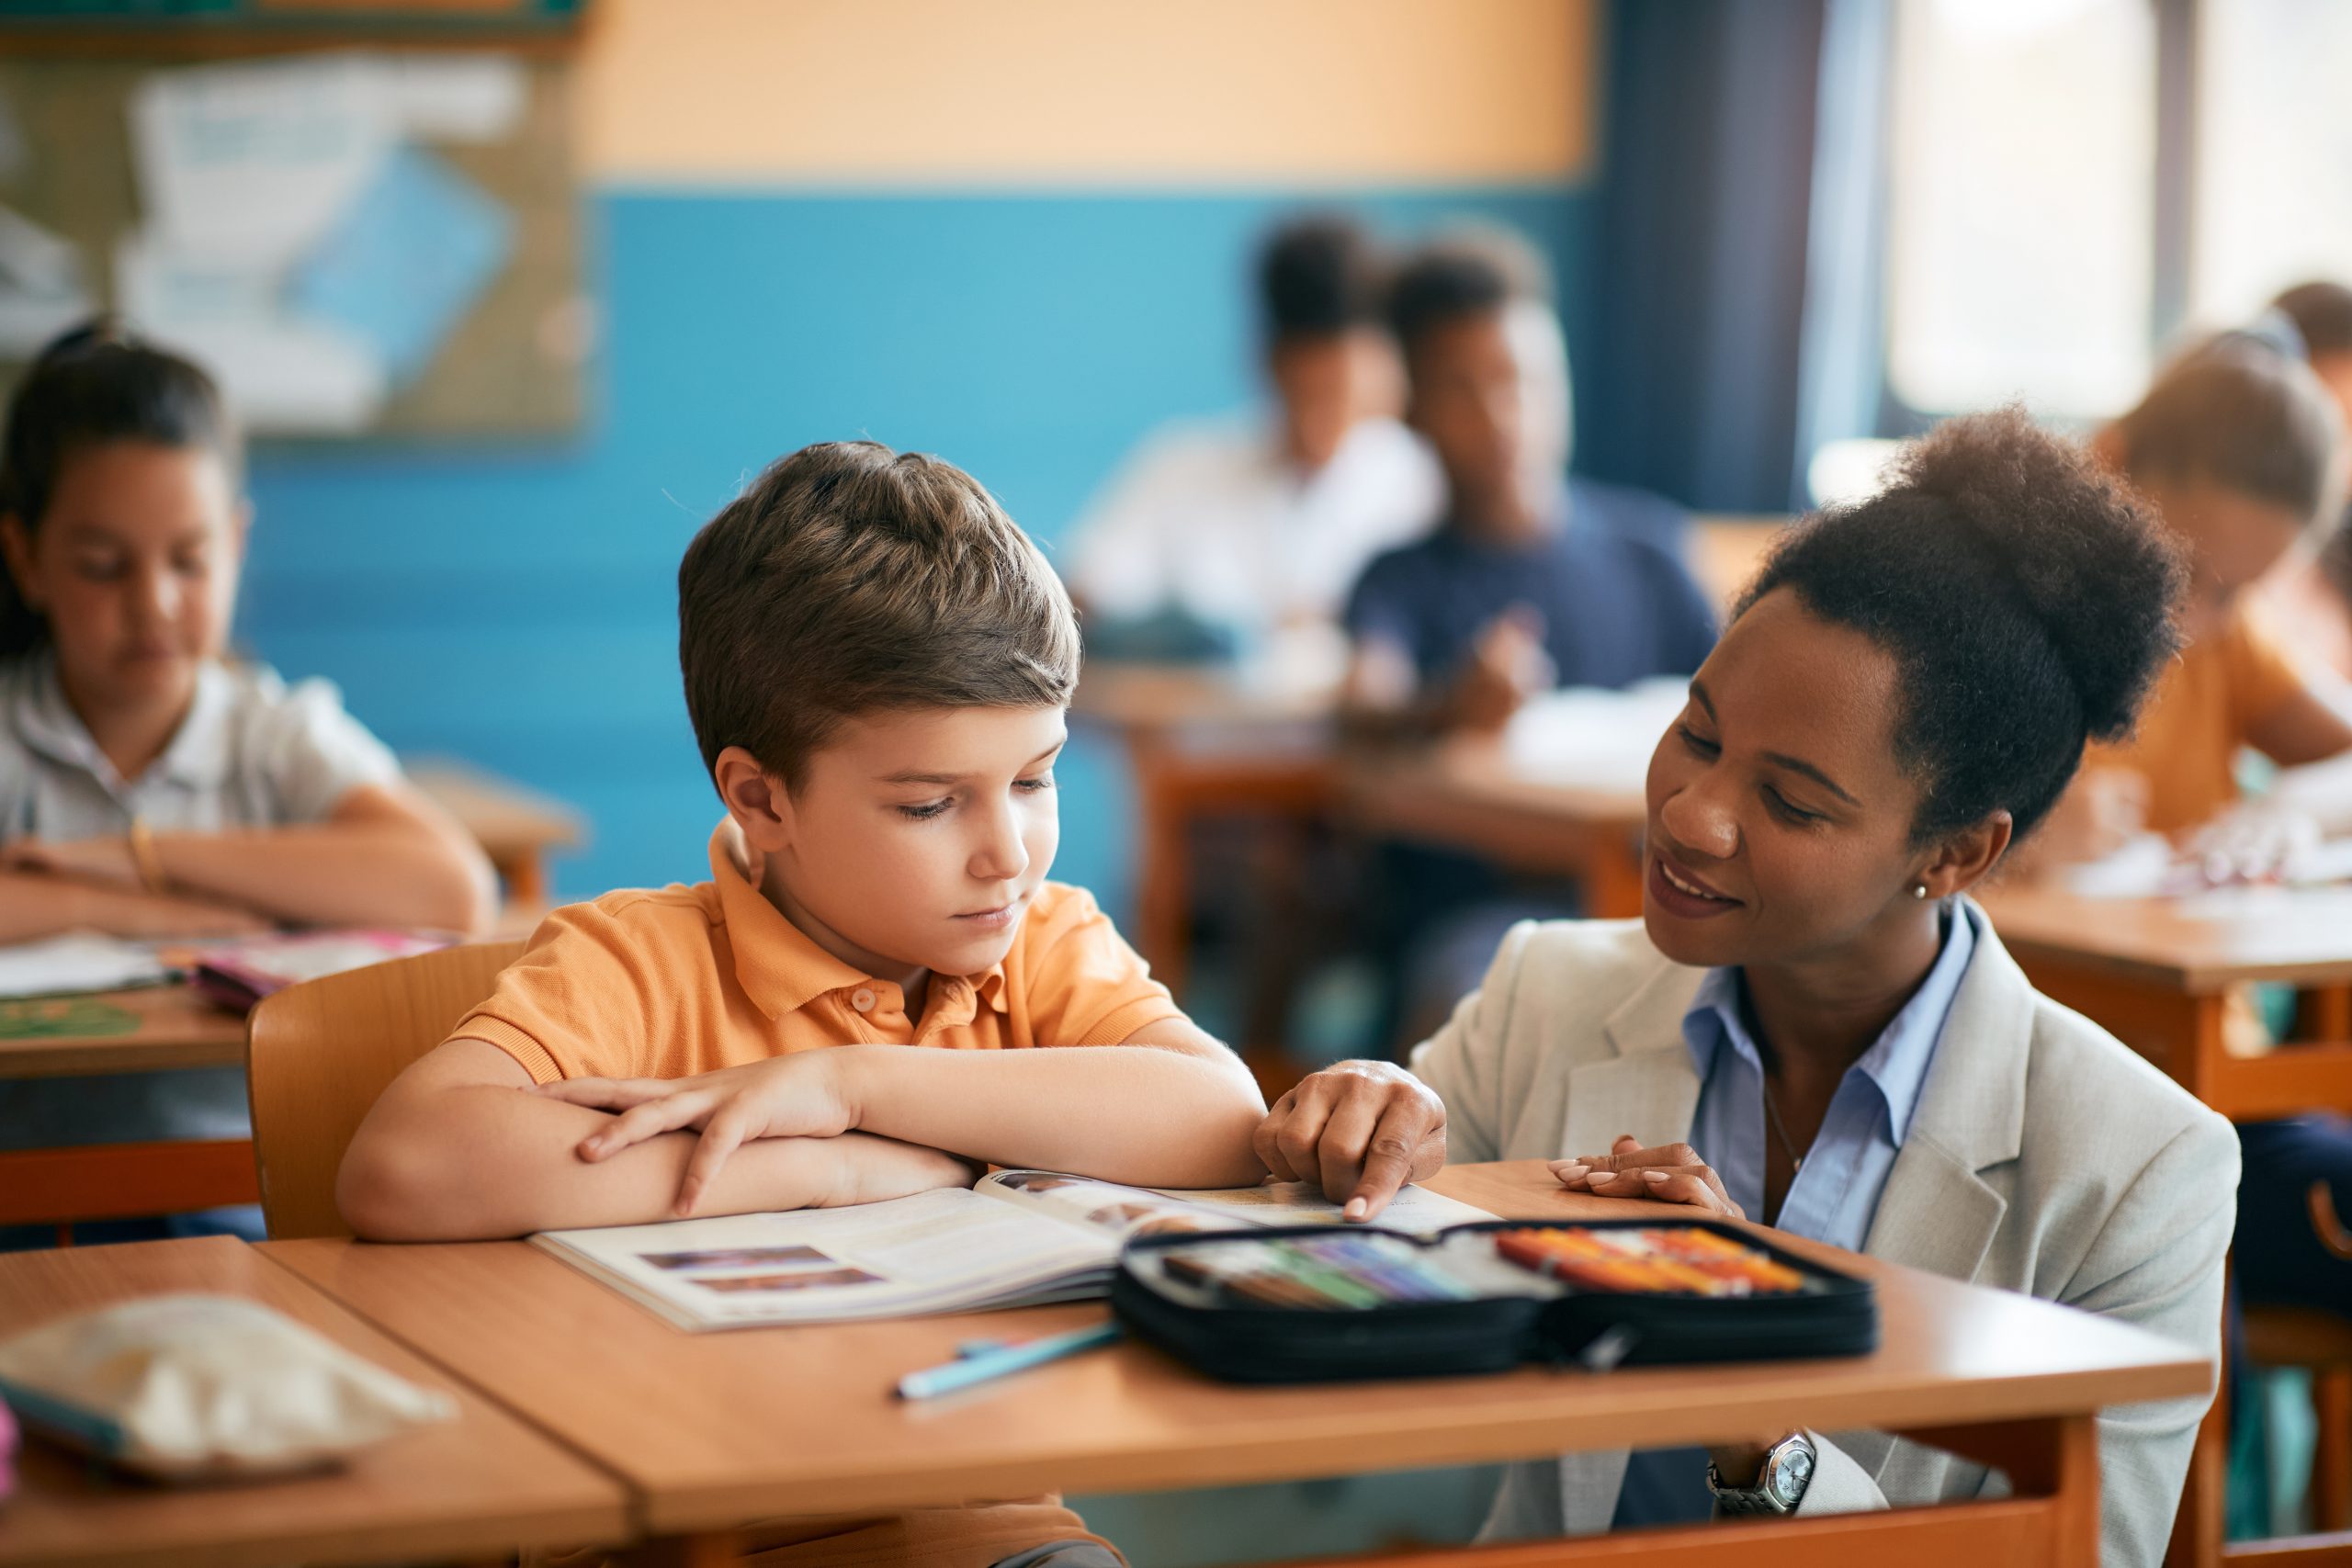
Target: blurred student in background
[(2240, 448), (149, 786), (2309, 597), (1221, 533), (1534, 579)]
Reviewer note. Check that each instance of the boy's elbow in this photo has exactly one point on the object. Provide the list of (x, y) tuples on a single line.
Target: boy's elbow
[(391, 1188)]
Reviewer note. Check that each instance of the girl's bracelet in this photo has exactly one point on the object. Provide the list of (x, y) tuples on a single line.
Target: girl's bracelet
[(144, 856)]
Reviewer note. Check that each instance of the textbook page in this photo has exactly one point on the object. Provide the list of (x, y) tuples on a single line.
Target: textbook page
[(952, 1250), (1017, 1238)]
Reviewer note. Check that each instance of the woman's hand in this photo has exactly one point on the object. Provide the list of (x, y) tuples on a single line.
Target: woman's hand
[(799, 1096), (1673, 1174), (1357, 1130)]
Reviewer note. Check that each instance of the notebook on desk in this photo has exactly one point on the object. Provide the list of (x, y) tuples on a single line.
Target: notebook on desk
[(1017, 1238), (239, 975), (76, 963)]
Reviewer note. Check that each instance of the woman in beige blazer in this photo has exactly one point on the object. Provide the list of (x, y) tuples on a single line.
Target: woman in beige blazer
[(1812, 1024)]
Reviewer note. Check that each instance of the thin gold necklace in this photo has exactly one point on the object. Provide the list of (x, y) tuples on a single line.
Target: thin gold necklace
[(1788, 1147)]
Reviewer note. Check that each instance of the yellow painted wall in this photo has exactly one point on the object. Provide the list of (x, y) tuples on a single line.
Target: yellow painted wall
[(1091, 93)]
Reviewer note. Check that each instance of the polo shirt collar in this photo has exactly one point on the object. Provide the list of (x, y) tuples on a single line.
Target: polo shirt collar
[(779, 966), (200, 755)]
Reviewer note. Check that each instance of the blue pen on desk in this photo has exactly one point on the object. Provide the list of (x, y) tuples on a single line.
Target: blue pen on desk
[(995, 1362)]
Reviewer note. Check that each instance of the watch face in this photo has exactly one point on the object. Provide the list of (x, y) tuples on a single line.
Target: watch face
[(1786, 1482)]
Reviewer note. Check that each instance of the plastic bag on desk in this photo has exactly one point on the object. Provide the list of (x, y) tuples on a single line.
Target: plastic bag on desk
[(195, 1387)]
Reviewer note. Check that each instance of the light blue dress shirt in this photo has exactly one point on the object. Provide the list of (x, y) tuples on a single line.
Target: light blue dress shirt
[(1835, 1192)]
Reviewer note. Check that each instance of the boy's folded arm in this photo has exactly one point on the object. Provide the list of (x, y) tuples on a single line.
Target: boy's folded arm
[(1167, 1106), (458, 1149)]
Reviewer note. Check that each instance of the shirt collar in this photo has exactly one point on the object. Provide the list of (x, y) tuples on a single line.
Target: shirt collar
[(199, 754), (1897, 1061), (779, 966)]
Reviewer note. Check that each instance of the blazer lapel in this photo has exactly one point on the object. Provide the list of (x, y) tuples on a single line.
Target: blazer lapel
[(1648, 1087), (1938, 1214)]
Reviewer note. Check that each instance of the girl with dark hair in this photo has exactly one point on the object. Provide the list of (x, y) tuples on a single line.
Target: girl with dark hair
[(147, 786), (1812, 1023)]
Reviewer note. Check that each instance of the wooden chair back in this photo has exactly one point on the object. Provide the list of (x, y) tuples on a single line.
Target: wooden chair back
[(320, 1053)]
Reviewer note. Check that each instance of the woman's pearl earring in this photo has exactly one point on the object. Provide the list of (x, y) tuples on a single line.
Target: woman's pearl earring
[(1920, 891)]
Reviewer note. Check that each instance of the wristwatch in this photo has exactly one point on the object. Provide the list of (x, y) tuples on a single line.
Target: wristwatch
[(1779, 1484)]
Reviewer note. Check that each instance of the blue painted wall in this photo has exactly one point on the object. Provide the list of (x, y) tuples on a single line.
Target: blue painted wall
[(517, 607)]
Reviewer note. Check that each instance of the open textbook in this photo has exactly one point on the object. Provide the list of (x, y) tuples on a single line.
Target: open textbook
[(1017, 1238)]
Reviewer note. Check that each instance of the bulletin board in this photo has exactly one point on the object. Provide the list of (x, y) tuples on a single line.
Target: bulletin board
[(436, 294)]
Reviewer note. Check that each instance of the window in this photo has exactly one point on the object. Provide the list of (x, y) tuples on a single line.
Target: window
[(2273, 191), (2021, 202)]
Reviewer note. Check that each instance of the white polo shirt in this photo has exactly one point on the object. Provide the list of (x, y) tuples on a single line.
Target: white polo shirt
[(1213, 519), (252, 752)]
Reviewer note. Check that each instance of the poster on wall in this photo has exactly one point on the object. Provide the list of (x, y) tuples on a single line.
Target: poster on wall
[(356, 243)]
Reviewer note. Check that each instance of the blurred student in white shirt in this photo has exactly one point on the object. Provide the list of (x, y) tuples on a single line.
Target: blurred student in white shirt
[(1243, 526)]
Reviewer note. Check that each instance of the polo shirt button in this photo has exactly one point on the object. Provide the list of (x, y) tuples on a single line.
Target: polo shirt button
[(861, 999)]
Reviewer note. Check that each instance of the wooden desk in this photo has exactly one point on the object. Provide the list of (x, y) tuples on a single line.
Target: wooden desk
[(1202, 743), (1465, 795), (517, 828), (143, 1031), (2156, 972), (480, 1486), (710, 1431), (169, 1027)]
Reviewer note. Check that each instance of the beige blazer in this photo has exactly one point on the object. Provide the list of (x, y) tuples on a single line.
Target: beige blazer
[(2044, 1157)]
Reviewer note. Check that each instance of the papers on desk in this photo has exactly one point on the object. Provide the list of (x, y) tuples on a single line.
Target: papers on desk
[(1591, 738), (2152, 866), (1019, 1238), (78, 962)]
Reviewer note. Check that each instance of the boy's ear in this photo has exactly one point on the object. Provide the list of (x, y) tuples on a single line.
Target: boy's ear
[(756, 798), (1967, 857)]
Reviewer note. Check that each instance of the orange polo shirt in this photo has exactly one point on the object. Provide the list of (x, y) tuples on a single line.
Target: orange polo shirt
[(682, 981), (670, 982), (2198, 719)]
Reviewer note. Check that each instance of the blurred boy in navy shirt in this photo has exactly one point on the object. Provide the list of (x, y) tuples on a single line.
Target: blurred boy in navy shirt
[(1535, 580)]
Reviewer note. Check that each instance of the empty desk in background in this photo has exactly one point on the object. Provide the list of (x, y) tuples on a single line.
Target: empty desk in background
[(2158, 973), (711, 1432), (1467, 794), (1204, 742), (479, 1487)]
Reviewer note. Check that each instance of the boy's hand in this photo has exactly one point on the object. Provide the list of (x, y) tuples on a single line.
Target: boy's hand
[(799, 1096), (1357, 1130), (1508, 665)]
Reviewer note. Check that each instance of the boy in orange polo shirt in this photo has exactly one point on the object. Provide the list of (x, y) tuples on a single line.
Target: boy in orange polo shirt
[(878, 663)]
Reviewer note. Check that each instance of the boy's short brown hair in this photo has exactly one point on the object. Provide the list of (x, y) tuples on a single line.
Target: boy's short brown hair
[(850, 579)]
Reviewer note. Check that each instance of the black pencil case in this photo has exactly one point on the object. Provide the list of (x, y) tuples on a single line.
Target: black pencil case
[(1514, 1316)]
